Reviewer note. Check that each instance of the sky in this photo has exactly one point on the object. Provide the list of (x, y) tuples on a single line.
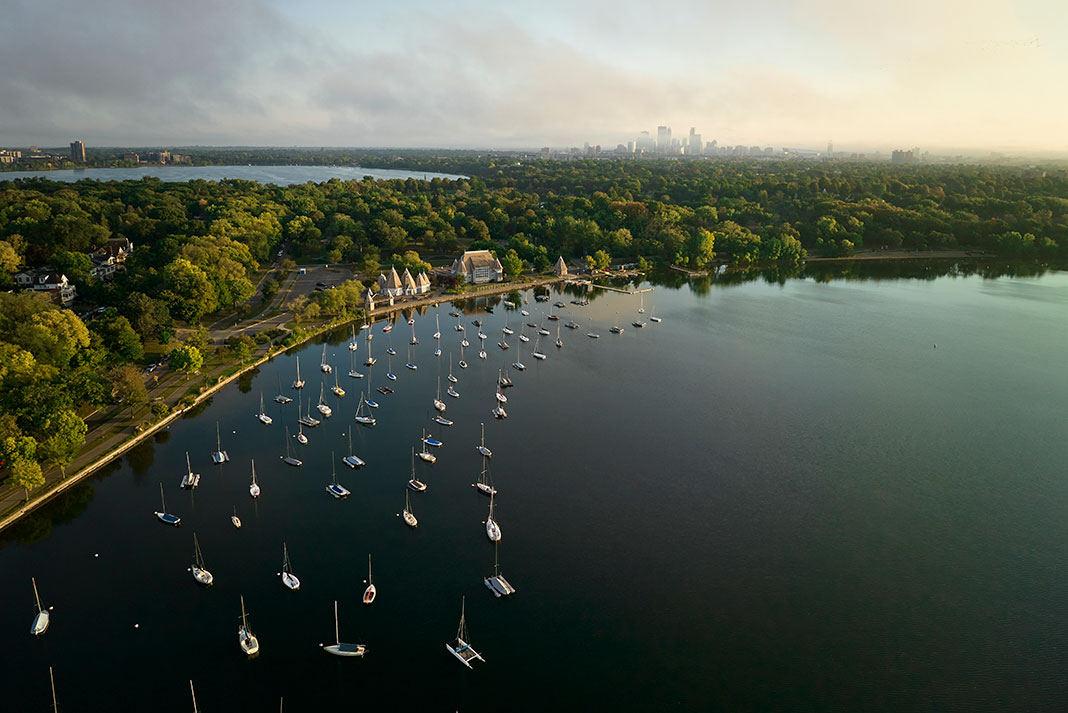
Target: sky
[(944, 75)]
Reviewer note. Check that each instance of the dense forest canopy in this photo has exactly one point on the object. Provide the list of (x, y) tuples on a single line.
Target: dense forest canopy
[(199, 242)]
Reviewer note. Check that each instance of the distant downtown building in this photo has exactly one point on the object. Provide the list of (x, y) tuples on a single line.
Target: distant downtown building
[(77, 152)]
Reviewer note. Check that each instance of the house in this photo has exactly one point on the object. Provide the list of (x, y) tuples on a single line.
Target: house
[(369, 300), (116, 248), (560, 269), (103, 268), (478, 266), (396, 285), (408, 282), (58, 286), (422, 283)]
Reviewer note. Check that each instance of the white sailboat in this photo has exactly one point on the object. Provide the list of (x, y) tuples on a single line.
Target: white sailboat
[(325, 410), (165, 517), (288, 578), (370, 593), (411, 365), (254, 488), (245, 638), (452, 379), (518, 365), (463, 364), (437, 337), (41, 620), (351, 460), (370, 360), (641, 307), (537, 354), (407, 514), (262, 415), (335, 489), (438, 403), (497, 584), (301, 438), (281, 398), (484, 484), (442, 420), (353, 344), (190, 480), (353, 373), (235, 519), (389, 369), (452, 392), (424, 454), (288, 458), (219, 456), (298, 383), (340, 649), (559, 342), (414, 483), (361, 417), (460, 648), (493, 530), (481, 447), (437, 328), (200, 572), (414, 339), (323, 366), (307, 419)]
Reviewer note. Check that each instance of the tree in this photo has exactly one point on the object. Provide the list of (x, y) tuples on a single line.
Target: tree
[(602, 260), (118, 337), (187, 358), (9, 259), (53, 336), (188, 291), (512, 264), (65, 434), (129, 387), (26, 474)]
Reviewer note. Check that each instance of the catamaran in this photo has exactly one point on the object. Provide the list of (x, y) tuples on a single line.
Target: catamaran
[(262, 415), (452, 379), (323, 366), (340, 649), (288, 578), (481, 447), (338, 391), (254, 489), (484, 484), (424, 454), (338, 491), (414, 483), (245, 638), (497, 583), (298, 383), (307, 419), (503, 381), (638, 323), (325, 410), (190, 480), (493, 530), (40, 621), (460, 648), (288, 458), (502, 344), (365, 419), (369, 593), (281, 398), (200, 573), (352, 460), (165, 517), (235, 519), (219, 456), (407, 514), (438, 403), (353, 344)]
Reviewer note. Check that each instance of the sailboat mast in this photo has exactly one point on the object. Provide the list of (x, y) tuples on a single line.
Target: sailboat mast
[(194, 693), (55, 706), (244, 619), (35, 595), (337, 634), (163, 501)]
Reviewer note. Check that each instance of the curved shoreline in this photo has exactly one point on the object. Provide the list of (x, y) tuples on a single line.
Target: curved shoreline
[(49, 492)]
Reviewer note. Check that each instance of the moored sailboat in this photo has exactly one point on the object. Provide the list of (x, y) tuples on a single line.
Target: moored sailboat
[(438, 403), (42, 618), (484, 484), (324, 409), (190, 480), (351, 460), (288, 578), (298, 383), (414, 483), (262, 415), (323, 366), (335, 489), (460, 648), (245, 638), (254, 488), (481, 447), (493, 530), (220, 456), (497, 584), (340, 649), (361, 417), (407, 514), (371, 592), (165, 517), (200, 572)]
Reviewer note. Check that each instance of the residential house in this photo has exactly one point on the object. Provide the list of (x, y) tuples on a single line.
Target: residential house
[(478, 266)]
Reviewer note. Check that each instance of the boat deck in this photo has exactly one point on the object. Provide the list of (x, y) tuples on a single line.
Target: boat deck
[(499, 586)]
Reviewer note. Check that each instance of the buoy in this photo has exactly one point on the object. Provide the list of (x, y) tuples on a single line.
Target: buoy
[(137, 626), (96, 554)]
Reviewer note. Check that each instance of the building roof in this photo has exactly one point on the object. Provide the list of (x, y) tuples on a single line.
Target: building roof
[(422, 280), (393, 281), (473, 259), (409, 281)]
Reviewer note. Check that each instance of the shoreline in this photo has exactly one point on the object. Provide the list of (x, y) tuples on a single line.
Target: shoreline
[(43, 496)]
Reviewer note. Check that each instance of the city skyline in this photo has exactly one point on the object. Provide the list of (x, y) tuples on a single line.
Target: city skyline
[(946, 75)]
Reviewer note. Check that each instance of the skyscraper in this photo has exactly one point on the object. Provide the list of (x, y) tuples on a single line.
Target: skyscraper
[(663, 139), (77, 151), (694, 146)]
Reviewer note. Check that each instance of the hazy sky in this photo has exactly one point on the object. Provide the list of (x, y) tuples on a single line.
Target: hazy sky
[(933, 73)]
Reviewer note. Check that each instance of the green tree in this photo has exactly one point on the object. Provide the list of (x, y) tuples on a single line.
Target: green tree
[(118, 337), (187, 358), (26, 474), (188, 291), (129, 387), (602, 260), (512, 264), (53, 336), (64, 435)]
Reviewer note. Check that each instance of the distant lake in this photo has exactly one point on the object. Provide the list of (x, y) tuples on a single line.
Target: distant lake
[(782, 497), (278, 175)]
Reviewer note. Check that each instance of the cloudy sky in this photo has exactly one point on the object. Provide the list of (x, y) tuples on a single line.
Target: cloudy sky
[(941, 74)]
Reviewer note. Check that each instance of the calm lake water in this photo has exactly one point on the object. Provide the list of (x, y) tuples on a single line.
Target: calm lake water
[(278, 175), (783, 497)]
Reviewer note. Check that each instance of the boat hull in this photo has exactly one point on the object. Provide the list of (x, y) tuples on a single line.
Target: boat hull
[(40, 623), (351, 650)]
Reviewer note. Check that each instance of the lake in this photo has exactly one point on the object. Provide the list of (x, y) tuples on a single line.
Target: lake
[(278, 175), (837, 489)]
